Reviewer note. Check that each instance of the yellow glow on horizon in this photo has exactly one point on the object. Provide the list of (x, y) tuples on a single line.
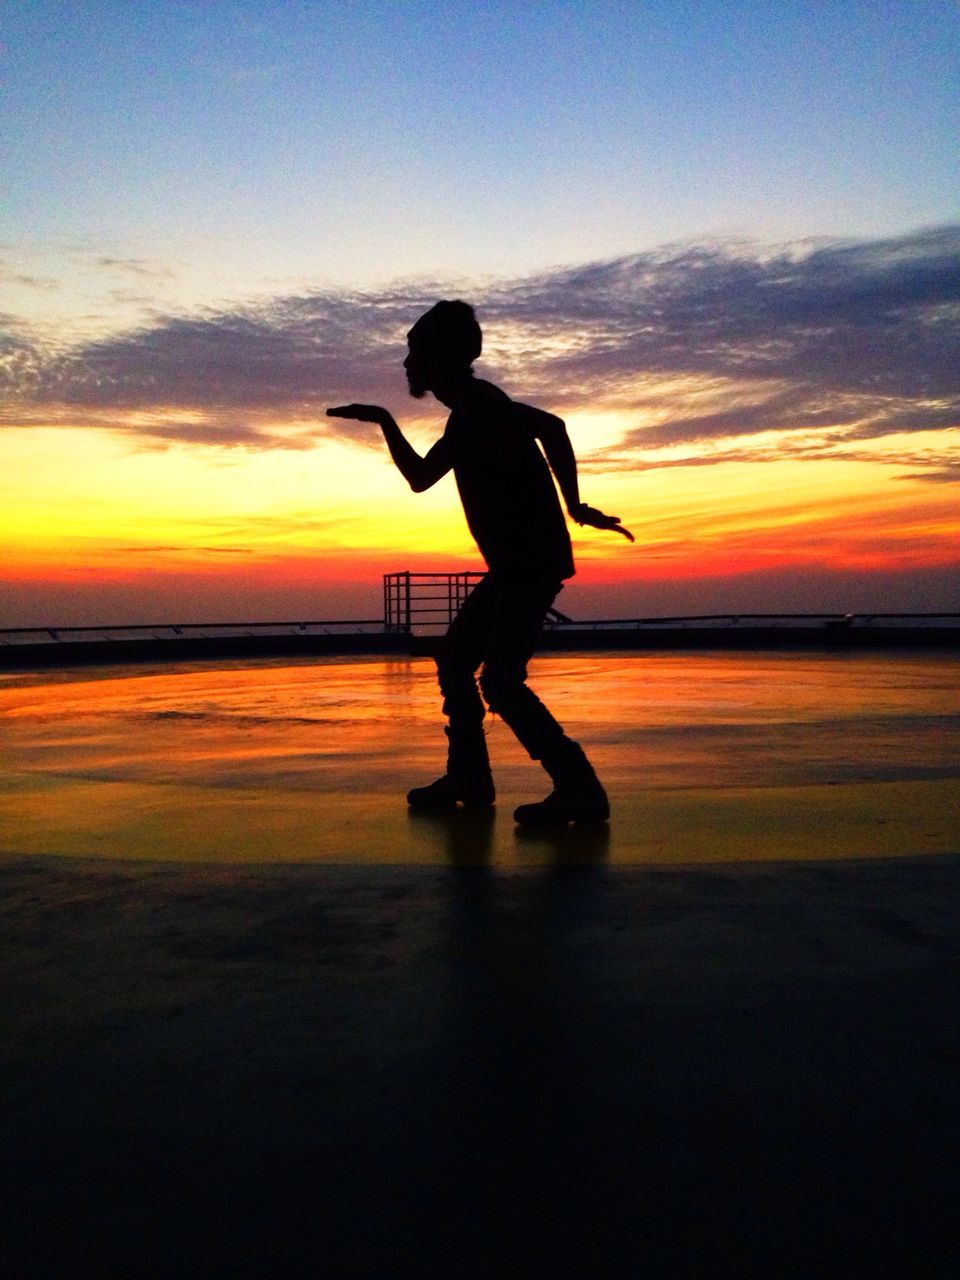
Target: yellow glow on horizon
[(90, 504), (838, 513), (82, 494)]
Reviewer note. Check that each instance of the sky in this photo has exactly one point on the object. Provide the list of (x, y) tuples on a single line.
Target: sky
[(722, 241)]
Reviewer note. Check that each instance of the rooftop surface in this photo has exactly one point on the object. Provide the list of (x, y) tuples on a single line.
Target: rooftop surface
[(258, 1021)]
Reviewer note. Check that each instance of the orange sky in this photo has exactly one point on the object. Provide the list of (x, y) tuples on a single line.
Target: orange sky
[(98, 531), (778, 428)]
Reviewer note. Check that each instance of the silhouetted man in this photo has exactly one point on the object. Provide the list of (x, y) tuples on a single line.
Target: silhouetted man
[(511, 505)]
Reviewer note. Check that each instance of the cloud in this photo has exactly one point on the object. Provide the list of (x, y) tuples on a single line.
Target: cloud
[(856, 335), (701, 344), (27, 281), (135, 267), (236, 371), (939, 464), (220, 432), (223, 551), (947, 473)]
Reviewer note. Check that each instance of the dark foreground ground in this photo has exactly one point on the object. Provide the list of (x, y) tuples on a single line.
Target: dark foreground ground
[(569, 1071)]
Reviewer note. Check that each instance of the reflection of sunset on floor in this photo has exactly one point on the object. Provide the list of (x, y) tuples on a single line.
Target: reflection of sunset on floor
[(707, 757)]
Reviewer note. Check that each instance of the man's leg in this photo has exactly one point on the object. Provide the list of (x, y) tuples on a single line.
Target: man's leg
[(520, 608), (468, 777)]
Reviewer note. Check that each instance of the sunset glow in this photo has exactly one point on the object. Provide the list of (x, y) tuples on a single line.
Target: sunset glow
[(753, 343)]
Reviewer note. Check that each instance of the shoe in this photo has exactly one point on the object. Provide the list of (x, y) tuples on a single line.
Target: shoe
[(468, 778), (445, 792), (577, 795), (573, 804)]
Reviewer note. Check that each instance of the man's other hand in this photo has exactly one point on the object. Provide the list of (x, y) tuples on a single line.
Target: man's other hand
[(597, 520), (360, 413)]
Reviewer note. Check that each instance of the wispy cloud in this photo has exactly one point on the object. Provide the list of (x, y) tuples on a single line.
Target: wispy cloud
[(948, 472), (135, 267), (221, 551), (27, 280), (844, 342)]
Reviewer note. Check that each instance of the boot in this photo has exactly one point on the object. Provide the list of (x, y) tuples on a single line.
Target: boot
[(468, 777), (577, 795)]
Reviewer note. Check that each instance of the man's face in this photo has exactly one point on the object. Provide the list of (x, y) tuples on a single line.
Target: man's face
[(419, 370)]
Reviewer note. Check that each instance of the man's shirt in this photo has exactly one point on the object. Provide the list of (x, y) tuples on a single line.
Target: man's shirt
[(506, 486)]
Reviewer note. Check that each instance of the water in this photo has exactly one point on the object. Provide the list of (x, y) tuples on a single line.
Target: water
[(707, 757)]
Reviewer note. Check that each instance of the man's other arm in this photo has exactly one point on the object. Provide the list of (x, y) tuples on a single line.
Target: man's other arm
[(419, 473), (551, 431)]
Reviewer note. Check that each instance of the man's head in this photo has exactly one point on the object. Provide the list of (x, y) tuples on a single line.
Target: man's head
[(443, 344)]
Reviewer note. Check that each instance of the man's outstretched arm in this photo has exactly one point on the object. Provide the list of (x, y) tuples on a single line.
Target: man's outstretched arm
[(419, 473), (551, 431)]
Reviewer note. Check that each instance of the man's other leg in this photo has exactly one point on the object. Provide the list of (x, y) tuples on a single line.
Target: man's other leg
[(520, 608), (468, 778)]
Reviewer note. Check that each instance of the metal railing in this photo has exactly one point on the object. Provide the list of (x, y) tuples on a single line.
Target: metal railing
[(13, 636), (773, 621), (418, 606), (424, 601)]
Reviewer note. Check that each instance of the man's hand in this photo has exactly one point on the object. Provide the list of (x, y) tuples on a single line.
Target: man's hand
[(419, 473), (597, 520), (361, 413)]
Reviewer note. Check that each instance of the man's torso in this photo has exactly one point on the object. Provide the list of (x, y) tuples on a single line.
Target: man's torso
[(506, 487)]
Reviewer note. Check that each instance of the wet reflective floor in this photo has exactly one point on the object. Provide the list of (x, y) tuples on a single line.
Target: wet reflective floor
[(706, 757)]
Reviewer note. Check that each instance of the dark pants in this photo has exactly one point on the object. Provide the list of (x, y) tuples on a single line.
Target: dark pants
[(498, 627)]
